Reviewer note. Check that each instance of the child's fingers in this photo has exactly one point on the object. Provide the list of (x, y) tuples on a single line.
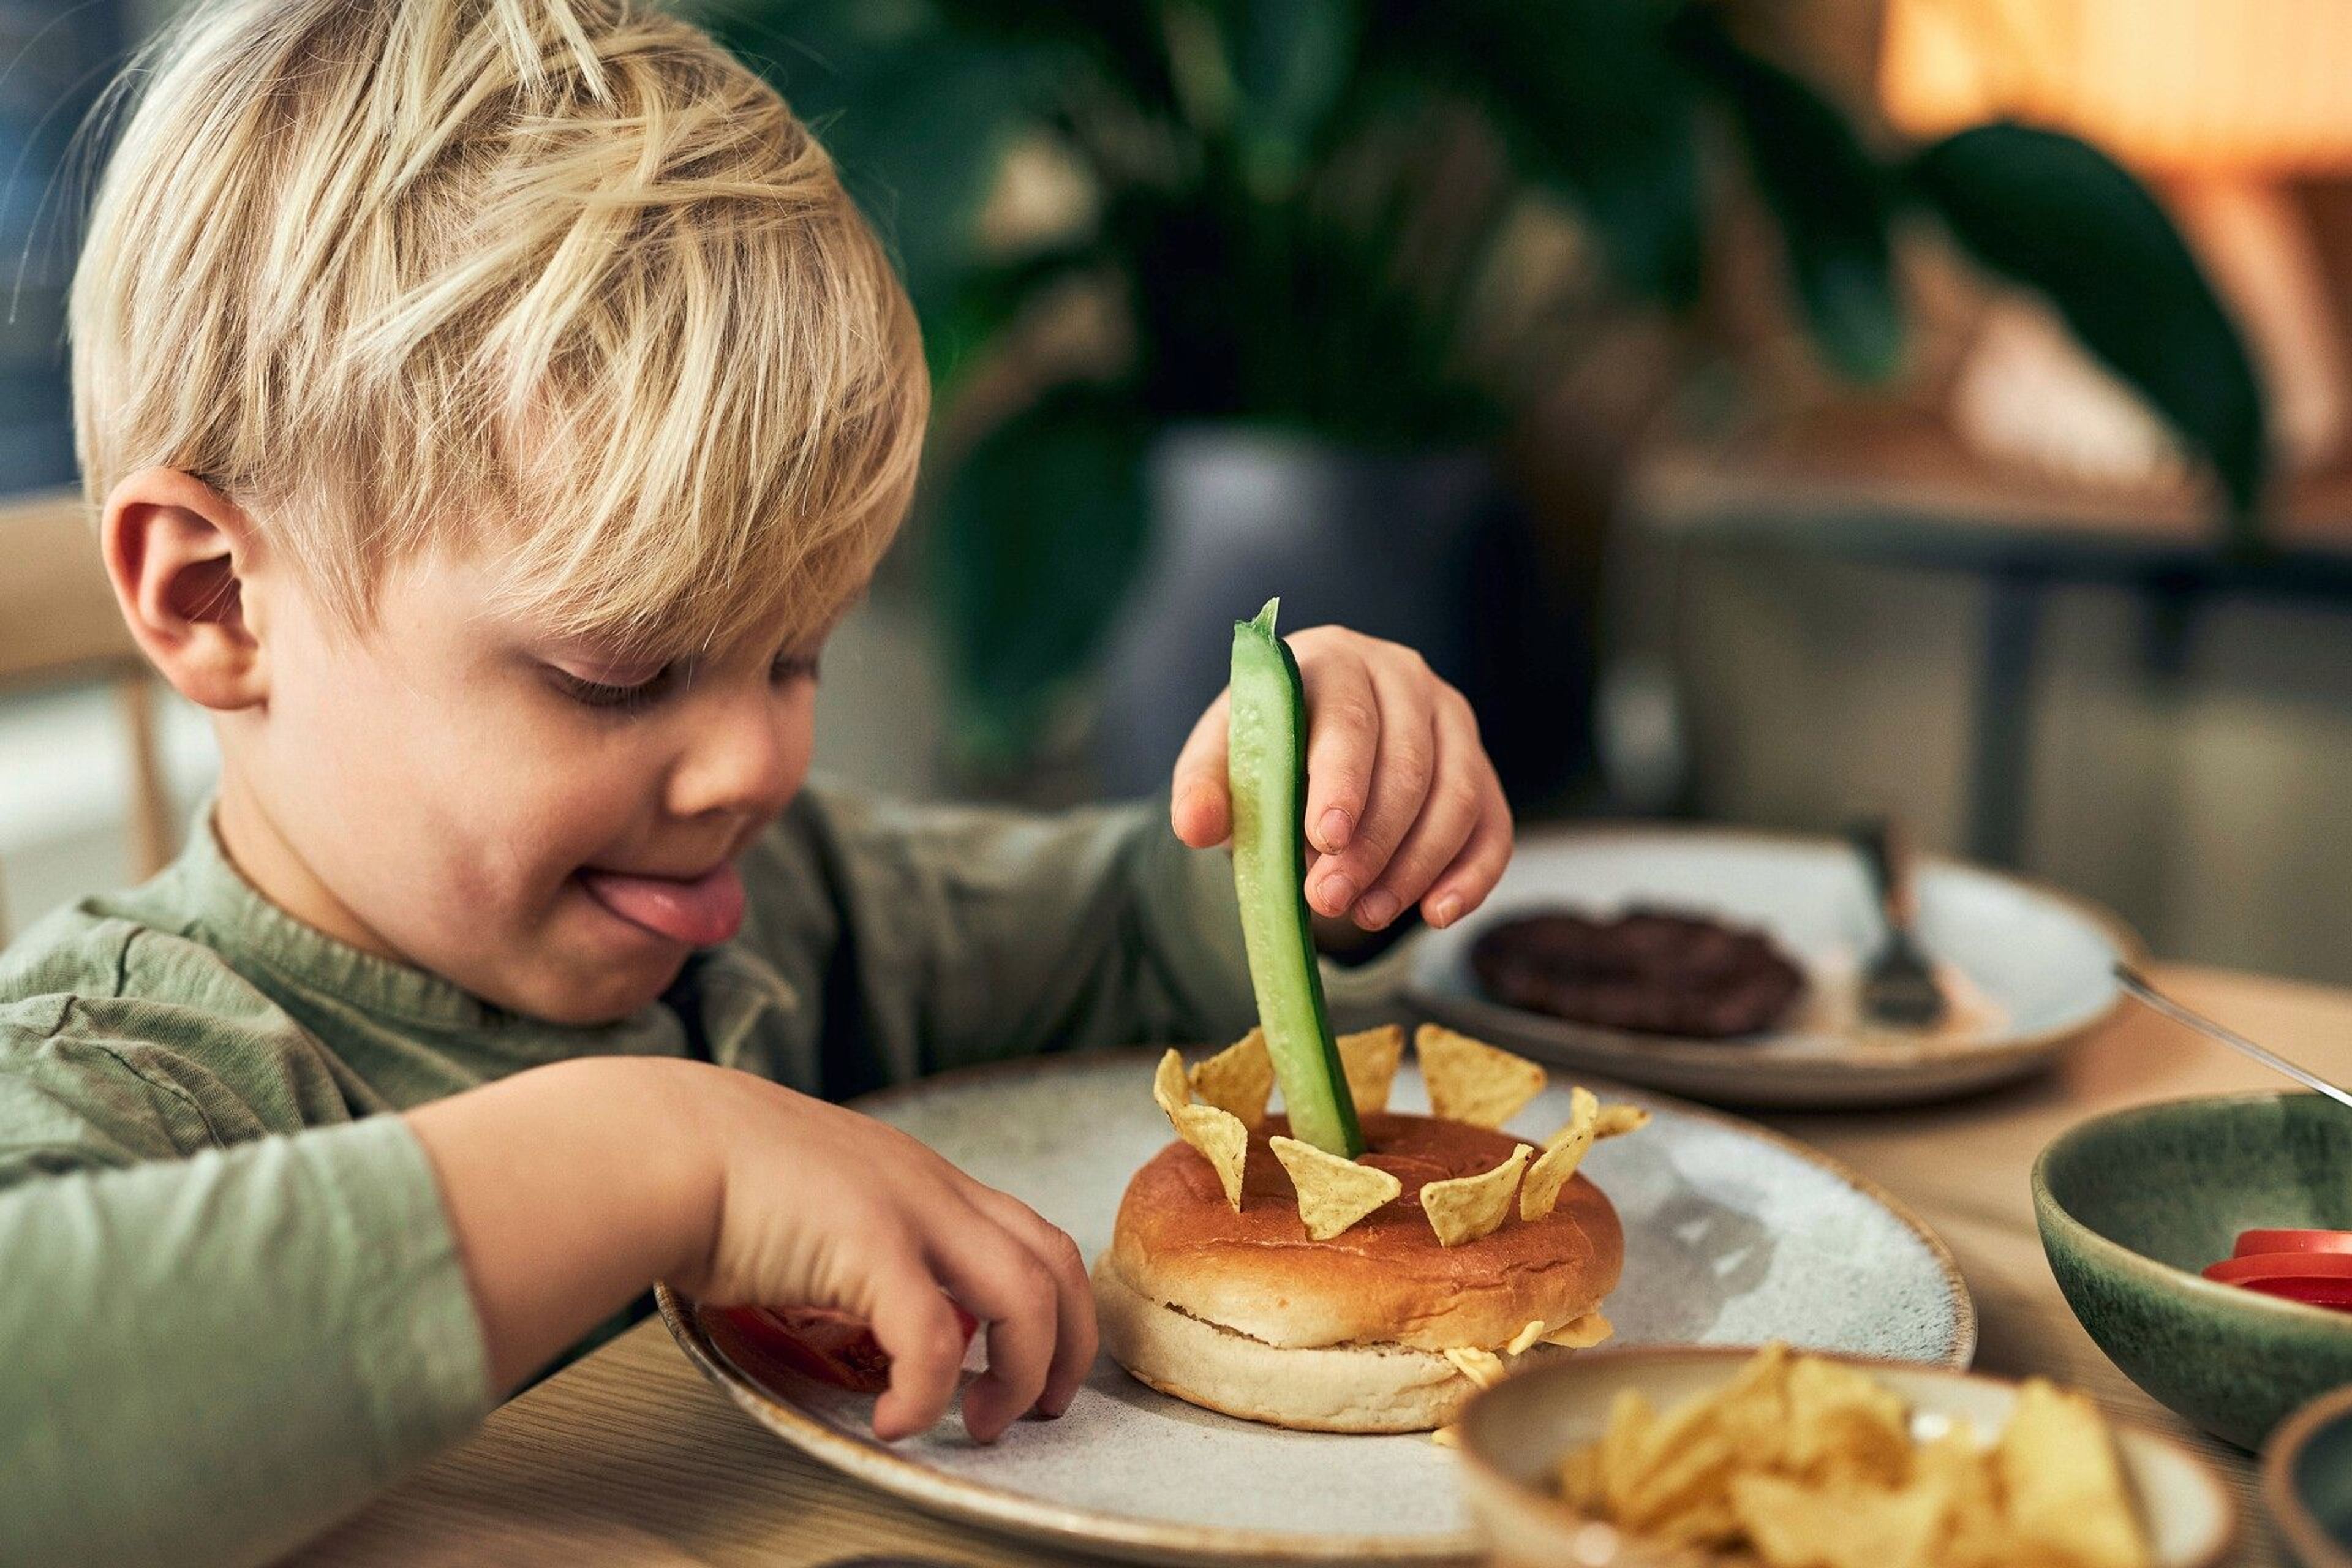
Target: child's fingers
[(1003, 1285), (1405, 757), (1461, 787), (915, 1325), (1464, 885), (1076, 1340), (1199, 807), (1343, 732)]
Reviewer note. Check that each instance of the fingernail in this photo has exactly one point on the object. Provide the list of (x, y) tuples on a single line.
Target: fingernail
[(1335, 829), (1444, 911), (1338, 891), (1379, 908)]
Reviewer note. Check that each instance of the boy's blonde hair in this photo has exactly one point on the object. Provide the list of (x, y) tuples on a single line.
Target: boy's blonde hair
[(555, 283)]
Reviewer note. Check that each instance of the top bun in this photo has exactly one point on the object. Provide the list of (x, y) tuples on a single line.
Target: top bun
[(1386, 1280)]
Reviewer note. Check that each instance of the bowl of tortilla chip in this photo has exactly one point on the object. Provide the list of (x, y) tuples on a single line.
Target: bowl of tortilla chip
[(1644, 1457)]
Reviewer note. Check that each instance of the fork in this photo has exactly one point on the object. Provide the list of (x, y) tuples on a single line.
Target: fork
[(1898, 984)]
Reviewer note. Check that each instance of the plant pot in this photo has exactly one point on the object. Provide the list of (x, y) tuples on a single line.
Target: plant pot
[(1427, 549)]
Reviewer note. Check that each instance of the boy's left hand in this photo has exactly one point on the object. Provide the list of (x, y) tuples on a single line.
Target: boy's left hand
[(1403, 807)]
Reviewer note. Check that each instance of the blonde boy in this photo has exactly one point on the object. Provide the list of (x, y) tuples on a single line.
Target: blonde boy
[(489, 406)]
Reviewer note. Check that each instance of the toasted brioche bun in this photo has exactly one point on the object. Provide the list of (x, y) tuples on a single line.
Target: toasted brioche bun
[(1242, 1312)]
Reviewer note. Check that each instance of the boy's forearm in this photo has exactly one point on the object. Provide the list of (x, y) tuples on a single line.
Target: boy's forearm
[(569, 1188), (211, 1359)]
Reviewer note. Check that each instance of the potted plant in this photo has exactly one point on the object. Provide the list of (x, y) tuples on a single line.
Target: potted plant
[(1299, 230)]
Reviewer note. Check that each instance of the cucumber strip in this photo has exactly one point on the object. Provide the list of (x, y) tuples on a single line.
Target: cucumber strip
[(1267, 766)]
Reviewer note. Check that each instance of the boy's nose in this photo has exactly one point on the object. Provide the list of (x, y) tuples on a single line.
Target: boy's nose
[(743, 759)]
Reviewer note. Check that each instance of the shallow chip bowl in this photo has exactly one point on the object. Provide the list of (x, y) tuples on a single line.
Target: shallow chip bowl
[(1513, 1435)]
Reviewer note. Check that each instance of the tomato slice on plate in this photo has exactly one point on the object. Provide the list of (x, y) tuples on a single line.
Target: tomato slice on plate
[(2252, 1243), (812, 1342)]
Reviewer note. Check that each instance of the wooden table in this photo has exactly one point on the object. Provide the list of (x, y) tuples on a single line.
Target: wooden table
[(630, 1458)]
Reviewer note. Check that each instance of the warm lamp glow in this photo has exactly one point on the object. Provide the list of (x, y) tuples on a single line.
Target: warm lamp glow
[(2251, 87), (2218, 102)]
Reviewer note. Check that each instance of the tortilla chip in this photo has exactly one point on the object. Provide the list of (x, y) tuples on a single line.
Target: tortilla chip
[(1468, 1207), (1552, 1169), (1333, 1193), (1624, 1443), (1470, 1080), (1370, 1059), (1794, 1525), (1584, 1118), (1960, 1469), (1843, 1424), (1581, 1333), (1170, 1087), (2065, 1488), (1752, 1409), (1616, 1121), (1239, 1078), (1579, 1479), (1222, 1140), (1484, 1368), (1679, 1490)]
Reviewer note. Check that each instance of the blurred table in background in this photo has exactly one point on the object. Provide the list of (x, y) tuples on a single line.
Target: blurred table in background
[(1890, 486), (629, 1457)]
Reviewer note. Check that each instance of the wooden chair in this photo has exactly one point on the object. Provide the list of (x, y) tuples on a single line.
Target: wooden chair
[(59, 624)]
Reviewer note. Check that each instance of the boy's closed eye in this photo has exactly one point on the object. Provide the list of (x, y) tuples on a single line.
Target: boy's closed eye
[(608, 689)]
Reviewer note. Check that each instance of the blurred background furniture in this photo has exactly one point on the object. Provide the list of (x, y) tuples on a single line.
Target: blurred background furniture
[(1881, 485), (58, 626)]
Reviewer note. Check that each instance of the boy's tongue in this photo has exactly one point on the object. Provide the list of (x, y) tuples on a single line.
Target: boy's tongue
[(701, 914)]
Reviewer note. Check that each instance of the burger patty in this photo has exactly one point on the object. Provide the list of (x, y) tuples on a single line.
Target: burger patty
[(1650, 971)]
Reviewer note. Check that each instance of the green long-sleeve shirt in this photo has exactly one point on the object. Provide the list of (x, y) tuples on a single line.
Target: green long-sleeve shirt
[(230, 1304)]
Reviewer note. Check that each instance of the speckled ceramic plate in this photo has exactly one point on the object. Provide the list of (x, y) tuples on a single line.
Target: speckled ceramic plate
[(2031, 968), (1733, 1236)]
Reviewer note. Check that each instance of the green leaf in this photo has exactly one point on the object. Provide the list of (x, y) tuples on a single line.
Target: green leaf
[(1292, 61), (2064, 218), (986, 300), (1828, 193), (1039, 534), (1593, 104)]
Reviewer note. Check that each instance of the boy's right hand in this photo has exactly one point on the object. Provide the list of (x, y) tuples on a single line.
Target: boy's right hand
[(570, 1187), (821, 1206)]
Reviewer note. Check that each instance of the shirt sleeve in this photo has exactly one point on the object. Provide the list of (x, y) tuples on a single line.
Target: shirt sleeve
[(935, 936), (211, 1355)]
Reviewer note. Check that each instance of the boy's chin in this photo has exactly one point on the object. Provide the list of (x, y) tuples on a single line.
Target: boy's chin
[(605, 994)]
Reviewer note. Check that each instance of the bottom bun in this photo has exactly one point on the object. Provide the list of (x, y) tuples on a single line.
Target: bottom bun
[(1331, 1388)]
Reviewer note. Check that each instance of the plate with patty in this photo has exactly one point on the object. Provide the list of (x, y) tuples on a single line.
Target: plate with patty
[(1721, 1233), (1724, 965)]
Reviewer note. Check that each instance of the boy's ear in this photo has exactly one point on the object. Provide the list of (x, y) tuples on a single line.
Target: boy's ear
[(180, 554)]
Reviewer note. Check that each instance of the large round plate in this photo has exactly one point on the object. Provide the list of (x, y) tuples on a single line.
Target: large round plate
[(1733, 1236), (2038, 965)]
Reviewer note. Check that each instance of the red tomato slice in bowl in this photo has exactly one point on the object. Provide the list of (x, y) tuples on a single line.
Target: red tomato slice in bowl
[(2281, 1265), (2331, 1293), (2252, 1243), (814, 1342)]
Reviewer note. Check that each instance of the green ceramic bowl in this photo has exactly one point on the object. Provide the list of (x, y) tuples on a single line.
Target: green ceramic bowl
[(2307, 1481), (2133, 1203)]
